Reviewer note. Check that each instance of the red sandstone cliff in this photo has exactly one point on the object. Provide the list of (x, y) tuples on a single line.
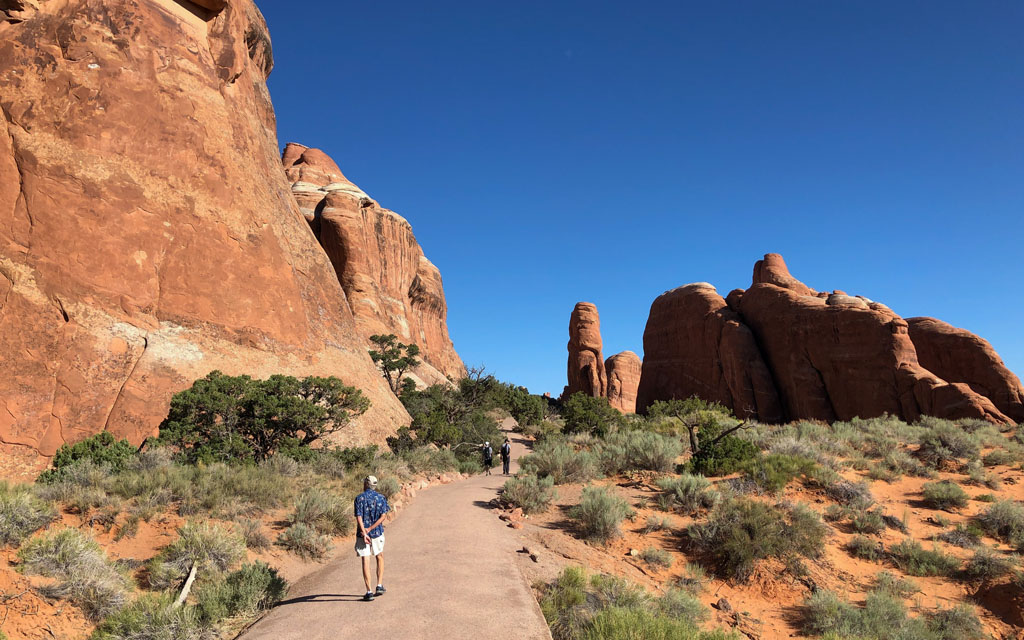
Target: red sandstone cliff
[(390, 285), (585, 365), (147, 231)]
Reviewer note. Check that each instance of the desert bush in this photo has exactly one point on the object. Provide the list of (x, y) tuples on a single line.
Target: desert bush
[(282, 465), (944, 495), (529, 493), (693, 580), (982, 478), (855, 495), (895, 585), (865, 548), (998, 457), (689, 493), (585, 414), (1003, 520), (633, 450), (680, 604), (987, 564), (984, 497), (774, 471), (870, 522), (914, 560), (955, 623), (151, 617), (654, 523), (430, 460), (945, 443), (961, 535), (884, 617), (560, 462), (599, 514), (253, 534), (388, 487), (470, 466), (251, 589), (84, 575), (304, 541), (22, 513), (324, 511), (209, 547), (232, 418), (883, 473), (101, 449), (656, 557), (901, 462), (801, 448), (741, 532)]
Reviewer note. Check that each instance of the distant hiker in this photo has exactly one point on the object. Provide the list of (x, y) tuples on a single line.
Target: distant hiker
[(506, 456), (370, 508), (488, 457)]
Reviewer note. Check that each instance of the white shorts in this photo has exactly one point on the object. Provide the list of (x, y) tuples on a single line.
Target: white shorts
[(376, 546)]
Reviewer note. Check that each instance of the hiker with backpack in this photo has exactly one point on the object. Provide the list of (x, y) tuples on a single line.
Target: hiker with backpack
[(506, 456), (488, 454)]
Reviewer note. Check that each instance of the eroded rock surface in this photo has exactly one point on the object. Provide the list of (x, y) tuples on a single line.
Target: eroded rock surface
[(147, 231), (586, 372), (391, 286), (623, 373)]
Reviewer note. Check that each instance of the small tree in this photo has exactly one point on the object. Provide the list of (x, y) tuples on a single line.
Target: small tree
[(713, 447), (230, 418), (393, 358), (583, 413)]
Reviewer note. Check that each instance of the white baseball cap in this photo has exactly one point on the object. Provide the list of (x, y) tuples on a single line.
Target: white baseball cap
[(370, 480)]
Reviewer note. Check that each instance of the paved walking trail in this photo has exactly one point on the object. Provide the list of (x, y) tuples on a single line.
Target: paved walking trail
[(449, 570)]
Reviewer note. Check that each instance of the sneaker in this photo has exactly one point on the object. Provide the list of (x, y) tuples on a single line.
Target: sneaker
[(368, 597), (380, 590)]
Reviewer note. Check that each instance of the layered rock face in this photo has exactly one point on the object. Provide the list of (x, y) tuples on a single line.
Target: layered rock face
[(586, 372), (147, 232), (958, 355), (695, 345), (623, 373), (781, 350), (390, 285)]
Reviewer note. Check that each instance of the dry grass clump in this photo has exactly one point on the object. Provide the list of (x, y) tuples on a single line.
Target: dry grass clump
[(305, 541), (529, 493), (600, 514), (688, 493), (208, 547), (22, 513)]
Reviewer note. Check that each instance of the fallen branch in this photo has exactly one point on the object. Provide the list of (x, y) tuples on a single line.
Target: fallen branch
[(188, 587)]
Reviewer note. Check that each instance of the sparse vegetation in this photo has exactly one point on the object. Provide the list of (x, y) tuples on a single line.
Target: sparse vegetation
[(558, 460), (913, 559), (599, 514), (251, 589), (638, 450), (1004, 520), (774, 471), (945, 443), (324, 511), (882, 617), (22, 513), (688, 493), (529, 493), (987, 564), (944, 495), (656, 557), (962, 535), (865, 548), (305, 541)]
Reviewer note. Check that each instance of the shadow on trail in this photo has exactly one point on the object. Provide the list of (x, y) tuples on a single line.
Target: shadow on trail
[(323, 597)]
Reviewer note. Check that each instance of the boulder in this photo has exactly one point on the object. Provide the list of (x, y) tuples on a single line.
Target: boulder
[(586, 366), (957, 355), (147, 232), (773, 270), (390, 284), (695, 345), (623, 373)]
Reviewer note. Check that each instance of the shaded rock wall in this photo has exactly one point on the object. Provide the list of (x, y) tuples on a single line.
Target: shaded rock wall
[(390, 285), (147, 231), (781, 350), (623, 373)]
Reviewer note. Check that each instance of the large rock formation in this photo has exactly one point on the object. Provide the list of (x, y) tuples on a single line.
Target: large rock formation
[(780, 350), (623, 373), (390, 285), (695, 345), (957, 355), (586, 366), (147, 231)]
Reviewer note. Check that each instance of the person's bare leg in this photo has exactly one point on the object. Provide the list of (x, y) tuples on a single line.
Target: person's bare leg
[(380, 568), (366, 572)]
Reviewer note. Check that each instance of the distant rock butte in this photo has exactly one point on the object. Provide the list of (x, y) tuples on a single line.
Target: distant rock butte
[(586, 372), (148, 233), (623, 373), (390, 285), (783, 351)]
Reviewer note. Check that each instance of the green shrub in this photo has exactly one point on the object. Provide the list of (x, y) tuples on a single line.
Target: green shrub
[(895, 585), (656, 557), (151, 617), (324, 511), (689, 493), (560, 462), (987, 564), (585, 414), (617, 623), (305, 541), (883, 617), (211, 548), (984, 497), (945, 443), (774, 471), (654, 523), (529, 493), (956, 623), (865, 548), (694, 579), (84, 574), (251, 589), (264, 415), (101, 449), (870, 522), (252, 532), (389, 487), (944, 495), (1003, 520), (901, 462), (855, 495), (639, 450), (680, 604), (999, 457), (740, 532), (22, 513), (961, 535), (599, 514), (914, 560)]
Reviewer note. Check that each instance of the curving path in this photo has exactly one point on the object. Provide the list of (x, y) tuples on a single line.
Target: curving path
[(450, 572)]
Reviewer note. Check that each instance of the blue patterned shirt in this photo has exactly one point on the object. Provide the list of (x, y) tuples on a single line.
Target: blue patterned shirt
[(370, 506)]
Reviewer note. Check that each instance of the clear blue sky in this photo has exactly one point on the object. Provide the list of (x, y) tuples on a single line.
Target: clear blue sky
[(551, 152)]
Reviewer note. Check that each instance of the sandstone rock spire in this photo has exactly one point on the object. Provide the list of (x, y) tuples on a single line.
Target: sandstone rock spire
[(586, 366)]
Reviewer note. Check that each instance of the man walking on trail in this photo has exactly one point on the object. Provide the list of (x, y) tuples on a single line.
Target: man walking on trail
[(506, 456), (488, 457), (370, 508)]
